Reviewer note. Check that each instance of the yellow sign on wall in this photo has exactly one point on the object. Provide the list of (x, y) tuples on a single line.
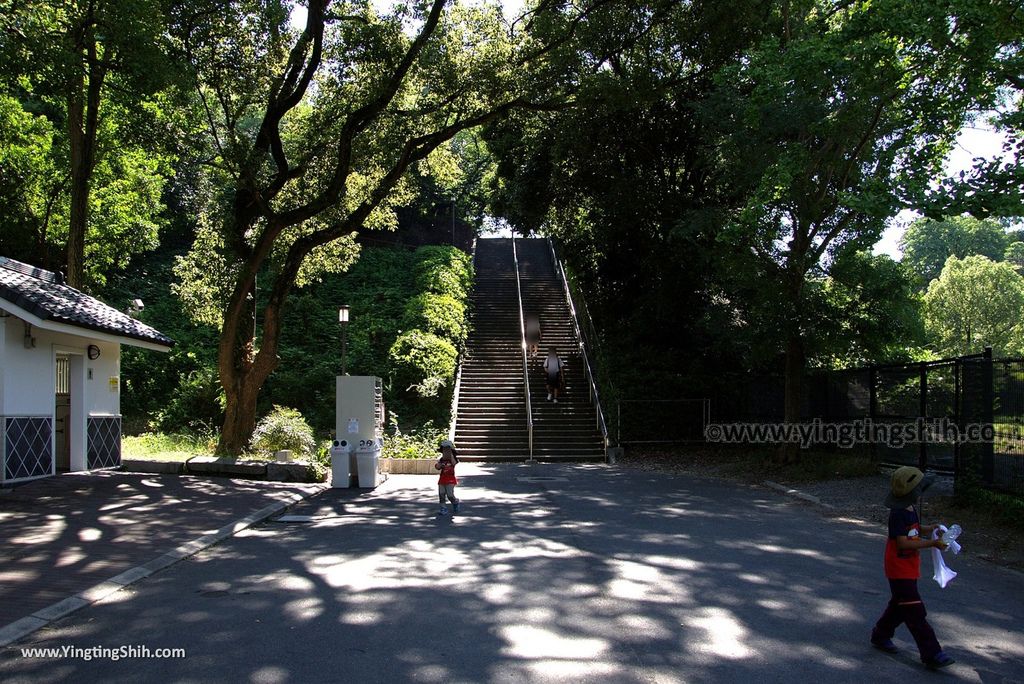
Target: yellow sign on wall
[(114, 381)]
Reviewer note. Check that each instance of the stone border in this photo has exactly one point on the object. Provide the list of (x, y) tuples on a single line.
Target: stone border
[(274, 471), (796, 493), (46, 616)]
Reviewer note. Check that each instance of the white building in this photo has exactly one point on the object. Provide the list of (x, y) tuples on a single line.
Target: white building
[(60, 384)]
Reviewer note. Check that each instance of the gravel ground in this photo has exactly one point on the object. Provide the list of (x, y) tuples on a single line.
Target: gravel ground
[(860, 498)]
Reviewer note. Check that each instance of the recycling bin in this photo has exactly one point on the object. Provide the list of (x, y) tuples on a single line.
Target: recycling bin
[(368, 463), (342, 466)]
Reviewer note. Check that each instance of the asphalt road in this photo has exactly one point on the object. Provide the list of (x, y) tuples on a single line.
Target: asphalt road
[(552, 573)]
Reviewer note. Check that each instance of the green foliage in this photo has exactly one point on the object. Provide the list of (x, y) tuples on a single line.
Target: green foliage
[(866, 311), (384, 300), (284, 428), (174, 391), (1007, 509), (30, 179), (197, 403), (424, 365), (421, 443), (115, 153), (1014, 255), (444, 271), (975, 303), (927, 244), (442, 315)]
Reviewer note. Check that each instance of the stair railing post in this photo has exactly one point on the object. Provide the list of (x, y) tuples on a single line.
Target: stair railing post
[(522, 344)]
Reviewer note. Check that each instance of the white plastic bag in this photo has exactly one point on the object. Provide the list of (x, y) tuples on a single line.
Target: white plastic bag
[(943, 575)]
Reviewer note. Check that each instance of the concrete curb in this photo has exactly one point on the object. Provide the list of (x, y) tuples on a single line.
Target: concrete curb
[(797, 494), (46, 616)]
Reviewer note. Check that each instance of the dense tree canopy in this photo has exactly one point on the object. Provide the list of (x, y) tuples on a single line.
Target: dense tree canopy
[(927, 244), (717, 182), (715, 173), (86, 74), (976, 303)]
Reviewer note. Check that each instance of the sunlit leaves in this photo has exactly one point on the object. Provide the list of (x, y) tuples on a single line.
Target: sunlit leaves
[(975, 303)]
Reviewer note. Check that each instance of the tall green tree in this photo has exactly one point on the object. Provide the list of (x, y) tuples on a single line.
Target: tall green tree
[(867, 310), (927, 243), (836, 121), (976, 303), (90, 67), (630, 183), (1014, 255), (316, 129)]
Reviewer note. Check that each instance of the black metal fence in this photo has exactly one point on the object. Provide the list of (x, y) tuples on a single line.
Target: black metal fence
[(661, 421), (962, 416)]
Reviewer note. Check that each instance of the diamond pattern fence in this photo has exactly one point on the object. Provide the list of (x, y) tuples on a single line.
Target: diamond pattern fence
[(104, 449), (28, 447)]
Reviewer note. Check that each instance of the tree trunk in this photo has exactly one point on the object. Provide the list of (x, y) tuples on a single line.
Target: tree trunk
[(242, 368), (83, 120), (79, 182), (240, 375), (239, 414), (795, 364)]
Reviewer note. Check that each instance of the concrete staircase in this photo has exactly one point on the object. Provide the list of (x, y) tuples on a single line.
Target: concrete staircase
[(568, 429), (491, 413)]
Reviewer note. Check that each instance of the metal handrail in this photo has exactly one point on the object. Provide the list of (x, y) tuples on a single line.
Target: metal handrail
[(594, 396), (462, 357), (522, 344)]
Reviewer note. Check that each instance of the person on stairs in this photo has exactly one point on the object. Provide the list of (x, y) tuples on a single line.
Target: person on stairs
[(532, 335), (554, 367)]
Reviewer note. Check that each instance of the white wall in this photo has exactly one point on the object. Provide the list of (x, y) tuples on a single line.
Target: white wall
[(27, 375)]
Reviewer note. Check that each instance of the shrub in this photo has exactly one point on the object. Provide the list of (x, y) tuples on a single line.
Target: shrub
[(284, 428), (420, 444), (196, 405), (423, 363), (444, 271), (441, 315)]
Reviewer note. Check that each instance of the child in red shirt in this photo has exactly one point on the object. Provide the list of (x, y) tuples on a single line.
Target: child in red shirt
[(447, 481), (907, 536)]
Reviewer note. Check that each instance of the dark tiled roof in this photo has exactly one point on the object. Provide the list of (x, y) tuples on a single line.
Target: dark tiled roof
[(44, 294)]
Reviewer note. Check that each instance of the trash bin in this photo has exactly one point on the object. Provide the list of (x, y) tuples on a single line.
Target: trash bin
[(341, 463), (368, 462)]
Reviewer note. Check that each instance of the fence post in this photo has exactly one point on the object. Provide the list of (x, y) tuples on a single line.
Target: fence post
[(988, 417), (958, 369), (872, 409), (618, 422), (922, 458)]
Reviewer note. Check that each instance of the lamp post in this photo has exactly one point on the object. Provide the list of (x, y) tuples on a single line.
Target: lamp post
[(343, 322)]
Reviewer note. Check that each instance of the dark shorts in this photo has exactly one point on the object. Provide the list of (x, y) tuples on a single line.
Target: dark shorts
[(554, 379)]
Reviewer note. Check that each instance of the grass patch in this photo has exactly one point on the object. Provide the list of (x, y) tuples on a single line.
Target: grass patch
[(1004, 509), (154, 446)]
